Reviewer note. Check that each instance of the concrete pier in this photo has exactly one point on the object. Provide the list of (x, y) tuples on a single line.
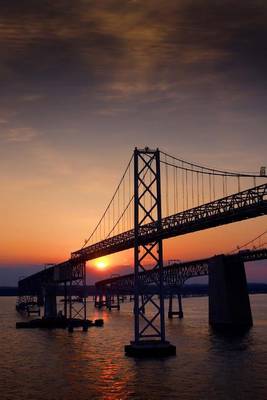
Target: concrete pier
[(229, 306), (150, 348)]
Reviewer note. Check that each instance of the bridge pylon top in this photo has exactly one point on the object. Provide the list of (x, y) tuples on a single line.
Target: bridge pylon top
[(146, 150)]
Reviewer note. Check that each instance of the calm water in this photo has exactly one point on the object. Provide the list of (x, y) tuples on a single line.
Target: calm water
[(48, 365)]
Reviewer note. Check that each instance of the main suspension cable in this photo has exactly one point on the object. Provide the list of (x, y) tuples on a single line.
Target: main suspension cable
[(109, 204), (206, 170)]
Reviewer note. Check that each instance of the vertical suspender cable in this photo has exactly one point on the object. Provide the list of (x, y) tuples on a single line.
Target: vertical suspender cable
[(186, 188), (197, 188), (167, 187), (118, 211), (213, 181), (123, 207), (130, 196), (183, 185), (109, 219), (192, 183), (151, 188), (202, 185), (174, 190), (210, 185), (177, 188), (113, 212)]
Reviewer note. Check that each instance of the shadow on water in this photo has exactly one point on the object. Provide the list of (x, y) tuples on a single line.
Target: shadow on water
[(230, 340)]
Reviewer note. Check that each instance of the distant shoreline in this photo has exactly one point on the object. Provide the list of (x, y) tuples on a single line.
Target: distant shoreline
[(188, 290)]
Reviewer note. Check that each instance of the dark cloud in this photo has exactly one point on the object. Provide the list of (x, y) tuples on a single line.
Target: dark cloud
[(123, 56), (120, 40)]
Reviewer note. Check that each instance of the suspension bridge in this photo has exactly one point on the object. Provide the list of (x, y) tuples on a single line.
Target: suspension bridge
[(158, 197)]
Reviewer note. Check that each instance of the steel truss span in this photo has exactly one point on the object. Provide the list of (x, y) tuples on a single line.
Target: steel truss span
[(247, 204), (250, 203), (173, 275)]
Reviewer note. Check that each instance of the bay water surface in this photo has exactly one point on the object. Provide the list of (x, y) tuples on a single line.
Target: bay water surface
[(54, 364)]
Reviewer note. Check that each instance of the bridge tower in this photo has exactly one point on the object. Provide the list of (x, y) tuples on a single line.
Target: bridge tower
[(77, 306), (149, 328)]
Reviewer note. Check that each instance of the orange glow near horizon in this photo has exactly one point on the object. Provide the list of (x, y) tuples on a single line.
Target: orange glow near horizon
[(45, 248)]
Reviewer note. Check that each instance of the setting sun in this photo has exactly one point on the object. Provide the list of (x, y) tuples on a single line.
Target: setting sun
[(101, 264)]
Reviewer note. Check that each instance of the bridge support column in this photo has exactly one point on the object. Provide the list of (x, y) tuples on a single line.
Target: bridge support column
[(108, 301), (50, 306), (143, 302), (113, 301), (181, 313), (149, 330), (99, 301), (229, 306), (65, 300), (171, 313), (96, 300), (77, 310), (40, 299)]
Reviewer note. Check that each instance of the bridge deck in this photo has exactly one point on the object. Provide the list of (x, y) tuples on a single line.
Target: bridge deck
[(249, 203), (175, 274)]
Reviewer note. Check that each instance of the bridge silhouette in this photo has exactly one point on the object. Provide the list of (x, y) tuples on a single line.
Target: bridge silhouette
[(111, 291), (158, 197), (174, 275)]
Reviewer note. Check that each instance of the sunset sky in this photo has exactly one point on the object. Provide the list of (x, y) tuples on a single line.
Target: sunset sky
[(84, 82)]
